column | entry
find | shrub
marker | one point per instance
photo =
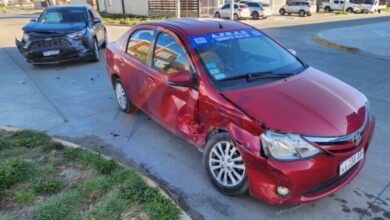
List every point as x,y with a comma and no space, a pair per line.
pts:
47,186
14,171
104,166
26,197
30,139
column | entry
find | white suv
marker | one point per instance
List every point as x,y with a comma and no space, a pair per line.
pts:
241,11
258,9
299,7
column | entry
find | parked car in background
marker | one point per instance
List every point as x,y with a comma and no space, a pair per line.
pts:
258,9
63,33
241,11
302,8
373,6
340,5
260,115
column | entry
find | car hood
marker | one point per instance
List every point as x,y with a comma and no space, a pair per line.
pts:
53,28
310,103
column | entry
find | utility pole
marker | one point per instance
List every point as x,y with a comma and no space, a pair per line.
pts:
232,10
178,8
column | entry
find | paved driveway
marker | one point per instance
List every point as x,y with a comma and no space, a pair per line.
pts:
76,101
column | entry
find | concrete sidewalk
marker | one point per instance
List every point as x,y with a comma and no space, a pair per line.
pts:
369,40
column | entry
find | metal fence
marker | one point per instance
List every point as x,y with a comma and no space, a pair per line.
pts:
188,8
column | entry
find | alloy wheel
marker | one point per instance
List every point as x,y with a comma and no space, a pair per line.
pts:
121,96
226,164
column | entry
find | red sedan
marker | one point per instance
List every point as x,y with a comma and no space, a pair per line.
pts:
265,121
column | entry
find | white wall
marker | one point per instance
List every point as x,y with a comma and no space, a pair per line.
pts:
136,7
78,2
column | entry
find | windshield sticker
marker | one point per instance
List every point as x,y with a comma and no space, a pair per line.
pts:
212,38
214,71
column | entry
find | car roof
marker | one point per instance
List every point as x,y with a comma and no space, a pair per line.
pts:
196,26
69,6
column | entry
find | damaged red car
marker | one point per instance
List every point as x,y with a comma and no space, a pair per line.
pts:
265,121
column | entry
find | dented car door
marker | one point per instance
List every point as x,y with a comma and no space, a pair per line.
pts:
173,105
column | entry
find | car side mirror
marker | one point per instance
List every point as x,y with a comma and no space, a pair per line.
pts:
181,78
33,20
293,52
97,21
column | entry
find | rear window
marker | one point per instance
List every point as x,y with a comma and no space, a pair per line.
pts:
139,44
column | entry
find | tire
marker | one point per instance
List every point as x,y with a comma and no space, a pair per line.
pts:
225,168
255,15
95,51
217,15
302,13
349,10
121,97
288,14
282,11
235,17
327,9
104,44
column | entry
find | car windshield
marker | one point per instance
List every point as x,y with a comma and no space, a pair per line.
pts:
237,54
63,15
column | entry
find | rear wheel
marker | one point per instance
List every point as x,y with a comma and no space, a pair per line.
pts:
327,9
282,11
217,15
255,15
302,13
95,51
123,100
224,165
235,17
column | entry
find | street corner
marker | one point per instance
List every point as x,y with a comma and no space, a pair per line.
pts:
366,40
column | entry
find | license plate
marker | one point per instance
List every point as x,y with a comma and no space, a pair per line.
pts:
51,53
350,162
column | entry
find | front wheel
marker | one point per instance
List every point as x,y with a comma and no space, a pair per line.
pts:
302,13
235,17
282,11
224,165
217,15
104,44
255,15
350,10
95,51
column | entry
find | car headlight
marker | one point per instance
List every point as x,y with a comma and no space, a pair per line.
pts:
287,147
77,33
25,37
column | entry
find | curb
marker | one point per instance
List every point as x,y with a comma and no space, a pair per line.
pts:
349,49
148,181
327,43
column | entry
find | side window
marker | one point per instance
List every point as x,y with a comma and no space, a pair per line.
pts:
139,44
235,6
226,6
168,55
336,2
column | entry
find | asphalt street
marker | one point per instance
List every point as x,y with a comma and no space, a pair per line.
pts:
76,101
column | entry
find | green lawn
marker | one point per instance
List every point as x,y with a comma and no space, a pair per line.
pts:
126,19
40,179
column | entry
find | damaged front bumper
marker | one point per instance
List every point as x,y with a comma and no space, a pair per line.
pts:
54,50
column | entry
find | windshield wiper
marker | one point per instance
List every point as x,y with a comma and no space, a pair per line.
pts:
259,75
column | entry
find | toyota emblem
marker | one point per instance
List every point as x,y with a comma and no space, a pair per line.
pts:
356,139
